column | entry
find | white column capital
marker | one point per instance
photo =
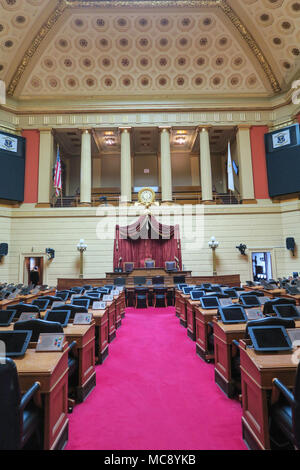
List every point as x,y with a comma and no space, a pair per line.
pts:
165,128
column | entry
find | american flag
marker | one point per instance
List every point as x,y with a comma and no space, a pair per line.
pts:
57,174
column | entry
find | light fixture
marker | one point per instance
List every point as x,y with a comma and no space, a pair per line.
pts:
109,141
81,247
180,140
213,244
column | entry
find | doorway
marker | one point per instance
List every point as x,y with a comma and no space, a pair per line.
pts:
33,264
261,265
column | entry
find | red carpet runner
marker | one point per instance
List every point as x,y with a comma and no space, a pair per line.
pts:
154,393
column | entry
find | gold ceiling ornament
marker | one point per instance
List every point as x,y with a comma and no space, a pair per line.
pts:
62,5
44,30
247,36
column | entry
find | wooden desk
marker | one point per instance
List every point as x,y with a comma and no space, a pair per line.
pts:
224,334
180,304
257,373
191,317
84,335
203,317
4,304
120,308
51,370
101,334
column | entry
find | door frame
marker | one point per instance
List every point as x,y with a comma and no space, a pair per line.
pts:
31,254
273,260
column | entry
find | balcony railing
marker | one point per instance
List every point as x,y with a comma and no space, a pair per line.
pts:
182,195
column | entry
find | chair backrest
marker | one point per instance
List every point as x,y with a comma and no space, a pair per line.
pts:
128,266
119,281
170,265
269,321
160,291
141,291
38,326
73,308
268,306
51,298
158,280
149,263
63,295
10,396
41,303
24,308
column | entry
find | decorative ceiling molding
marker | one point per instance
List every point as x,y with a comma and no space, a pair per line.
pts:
62,5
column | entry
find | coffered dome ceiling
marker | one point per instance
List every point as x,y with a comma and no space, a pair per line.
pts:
140,47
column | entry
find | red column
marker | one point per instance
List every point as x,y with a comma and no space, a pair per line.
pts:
259,165
31,165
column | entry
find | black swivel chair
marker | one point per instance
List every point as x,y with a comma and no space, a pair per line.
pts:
20,308
160,296
141,297
284,415
20,419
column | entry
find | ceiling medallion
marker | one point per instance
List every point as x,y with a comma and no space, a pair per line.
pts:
62,5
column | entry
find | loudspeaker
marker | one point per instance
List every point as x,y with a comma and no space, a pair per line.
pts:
3,249
290,244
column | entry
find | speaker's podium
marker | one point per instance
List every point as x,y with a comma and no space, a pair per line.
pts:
148,273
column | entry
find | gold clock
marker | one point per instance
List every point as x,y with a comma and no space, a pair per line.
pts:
146,196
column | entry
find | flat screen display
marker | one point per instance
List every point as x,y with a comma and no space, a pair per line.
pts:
270,338
209,302
16,342
6,317
233,314
250,300
59,316
286,311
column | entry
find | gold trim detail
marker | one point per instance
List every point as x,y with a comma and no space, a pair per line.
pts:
62,5
44,30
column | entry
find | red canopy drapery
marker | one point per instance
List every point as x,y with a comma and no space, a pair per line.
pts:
147,238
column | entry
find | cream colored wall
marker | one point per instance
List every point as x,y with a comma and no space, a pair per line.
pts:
261,226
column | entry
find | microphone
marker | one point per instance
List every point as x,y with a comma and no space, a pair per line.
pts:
120,259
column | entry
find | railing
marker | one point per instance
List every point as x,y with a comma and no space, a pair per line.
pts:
179,197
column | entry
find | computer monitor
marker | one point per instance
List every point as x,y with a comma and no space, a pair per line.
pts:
233,314
270,338
197,294
6,317
188,290
209,302
181,286
250,301
139,280
82,302
286,311
59,316
16,342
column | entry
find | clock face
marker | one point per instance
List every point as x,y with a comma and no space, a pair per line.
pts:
146,196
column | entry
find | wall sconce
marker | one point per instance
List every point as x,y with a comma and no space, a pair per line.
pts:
242,249
213,244
81,247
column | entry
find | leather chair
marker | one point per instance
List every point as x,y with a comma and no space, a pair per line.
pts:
20,418
284,415
268,306
21,307
63,294
158,280
149,263
51,298
170,266
160,297
130,297
41,303
128,266
141,297
73,308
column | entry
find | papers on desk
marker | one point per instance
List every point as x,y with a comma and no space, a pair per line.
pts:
263,300
99,305
114,292
225,302
108,298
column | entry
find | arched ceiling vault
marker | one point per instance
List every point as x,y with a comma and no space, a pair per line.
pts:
148,47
